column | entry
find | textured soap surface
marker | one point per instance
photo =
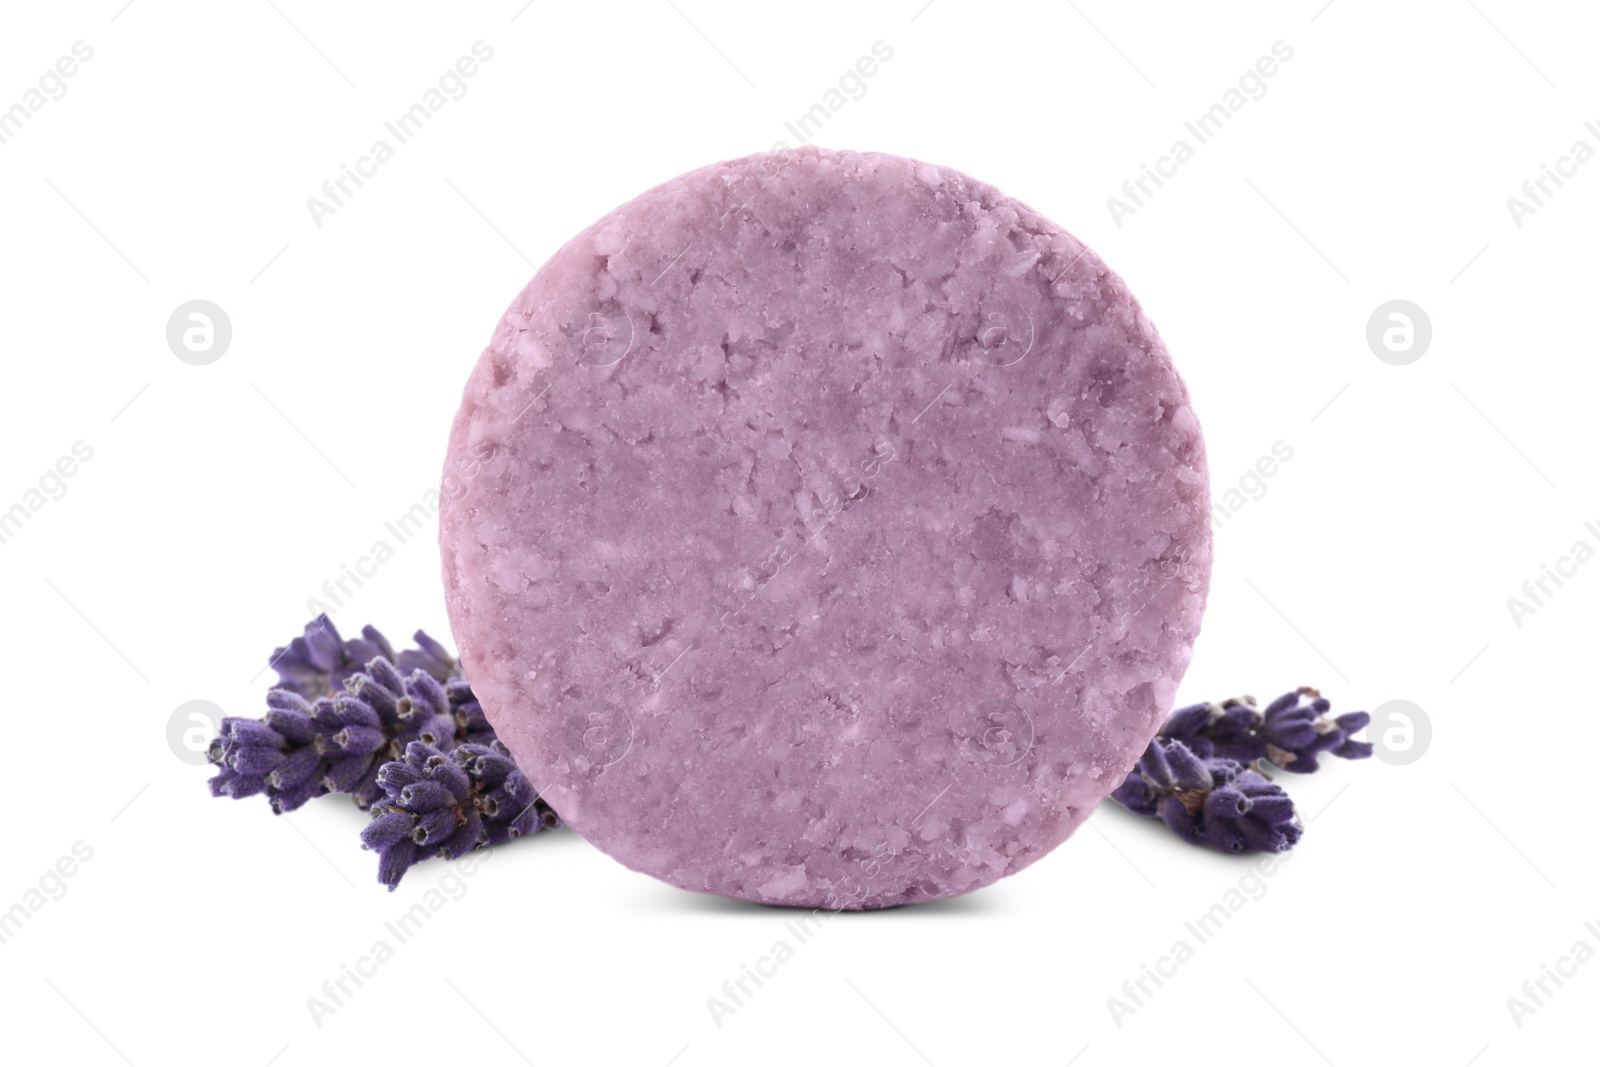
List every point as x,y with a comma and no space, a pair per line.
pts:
825,529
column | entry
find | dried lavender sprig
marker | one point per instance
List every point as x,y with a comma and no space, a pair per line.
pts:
331,726
430,656
338,743
413,707
1216,803
472,725
1289,733
444,804
275,755
317,663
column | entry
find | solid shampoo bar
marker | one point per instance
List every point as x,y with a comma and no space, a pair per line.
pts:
826,529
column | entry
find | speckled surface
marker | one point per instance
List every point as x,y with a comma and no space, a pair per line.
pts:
825,529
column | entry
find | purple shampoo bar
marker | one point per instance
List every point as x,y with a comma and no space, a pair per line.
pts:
826,529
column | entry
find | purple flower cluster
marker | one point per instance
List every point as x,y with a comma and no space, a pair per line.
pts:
356,717
319,661
1213,802
444,804
1202,775
1289,733
335,742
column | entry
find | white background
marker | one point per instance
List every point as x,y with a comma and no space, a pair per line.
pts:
219,498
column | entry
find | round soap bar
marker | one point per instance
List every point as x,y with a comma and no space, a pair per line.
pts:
826,529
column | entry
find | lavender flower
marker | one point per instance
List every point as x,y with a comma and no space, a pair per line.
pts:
444,804
343,710
1289,733
338,743
1215,802
319,661
430,656
403,734
472,725
276,754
